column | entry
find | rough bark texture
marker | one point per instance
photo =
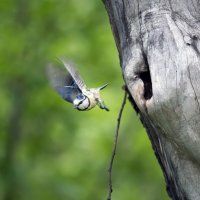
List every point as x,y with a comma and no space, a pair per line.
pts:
159,49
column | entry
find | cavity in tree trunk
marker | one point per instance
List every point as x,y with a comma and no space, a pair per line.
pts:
159,50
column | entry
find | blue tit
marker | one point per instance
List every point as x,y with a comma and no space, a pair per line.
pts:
71,87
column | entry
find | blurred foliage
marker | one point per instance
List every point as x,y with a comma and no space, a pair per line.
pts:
48,150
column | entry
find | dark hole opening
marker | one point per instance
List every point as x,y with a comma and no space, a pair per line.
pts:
146,78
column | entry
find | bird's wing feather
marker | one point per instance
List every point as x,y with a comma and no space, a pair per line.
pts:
74,73
62,83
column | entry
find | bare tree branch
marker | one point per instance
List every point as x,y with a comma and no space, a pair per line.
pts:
115,146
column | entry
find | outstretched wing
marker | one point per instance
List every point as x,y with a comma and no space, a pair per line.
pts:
63,83
74,73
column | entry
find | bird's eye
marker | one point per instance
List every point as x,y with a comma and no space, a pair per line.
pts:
80,97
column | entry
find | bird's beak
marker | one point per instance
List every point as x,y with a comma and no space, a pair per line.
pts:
102,87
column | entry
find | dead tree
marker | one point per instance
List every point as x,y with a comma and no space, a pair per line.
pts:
159,49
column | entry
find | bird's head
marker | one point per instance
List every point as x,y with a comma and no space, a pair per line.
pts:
81,102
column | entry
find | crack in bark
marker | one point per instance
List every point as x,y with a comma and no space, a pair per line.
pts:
144,76
196,97
193,44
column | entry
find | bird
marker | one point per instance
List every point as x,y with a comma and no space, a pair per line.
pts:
71,87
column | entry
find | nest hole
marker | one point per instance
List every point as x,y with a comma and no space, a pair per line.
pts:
146,78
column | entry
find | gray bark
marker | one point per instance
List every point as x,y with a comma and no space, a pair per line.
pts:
159,48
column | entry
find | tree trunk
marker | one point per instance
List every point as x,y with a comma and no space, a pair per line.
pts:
159,50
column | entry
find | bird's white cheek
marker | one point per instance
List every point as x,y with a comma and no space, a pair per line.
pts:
84,105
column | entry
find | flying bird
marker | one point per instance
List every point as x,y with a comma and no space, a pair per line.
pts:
71,87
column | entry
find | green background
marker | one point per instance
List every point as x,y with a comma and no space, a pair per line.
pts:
48,150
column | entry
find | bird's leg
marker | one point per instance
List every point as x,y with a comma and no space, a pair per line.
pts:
102,105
